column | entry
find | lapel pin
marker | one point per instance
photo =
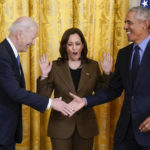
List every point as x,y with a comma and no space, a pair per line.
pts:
87,74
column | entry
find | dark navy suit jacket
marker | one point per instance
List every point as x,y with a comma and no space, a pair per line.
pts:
12,96
136,100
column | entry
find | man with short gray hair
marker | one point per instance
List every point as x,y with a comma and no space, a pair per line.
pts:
132,74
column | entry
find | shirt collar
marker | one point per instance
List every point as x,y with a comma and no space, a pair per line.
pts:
143,44
13,47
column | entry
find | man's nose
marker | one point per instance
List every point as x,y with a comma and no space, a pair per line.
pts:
125,26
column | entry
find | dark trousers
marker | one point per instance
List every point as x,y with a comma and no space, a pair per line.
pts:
7,147
76,142
129,142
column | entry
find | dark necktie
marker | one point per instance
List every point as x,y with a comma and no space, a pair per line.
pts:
135,64
18,60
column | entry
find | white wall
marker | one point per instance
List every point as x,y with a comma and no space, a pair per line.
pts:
134,3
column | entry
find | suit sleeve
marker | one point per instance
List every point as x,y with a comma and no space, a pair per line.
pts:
11,89
45,87
112,91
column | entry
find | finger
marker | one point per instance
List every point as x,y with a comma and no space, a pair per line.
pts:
46,58
144,123
108,56
68,109
42,59
73,95
104,56
51,63
39,62
60,98
143,127
100,62
64,113
68,112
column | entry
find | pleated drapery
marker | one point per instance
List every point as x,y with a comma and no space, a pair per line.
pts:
102,23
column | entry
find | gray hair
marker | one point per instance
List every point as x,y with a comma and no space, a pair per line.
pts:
23,23
142,13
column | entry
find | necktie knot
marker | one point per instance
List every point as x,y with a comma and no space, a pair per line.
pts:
137,48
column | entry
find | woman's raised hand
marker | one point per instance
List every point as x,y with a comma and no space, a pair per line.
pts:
45,65
107,63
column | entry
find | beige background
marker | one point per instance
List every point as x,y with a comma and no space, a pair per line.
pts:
134,3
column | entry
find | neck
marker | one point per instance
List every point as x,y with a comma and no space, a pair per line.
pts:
141,39
13,41
74,64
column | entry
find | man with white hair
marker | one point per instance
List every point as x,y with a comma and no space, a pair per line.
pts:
12,84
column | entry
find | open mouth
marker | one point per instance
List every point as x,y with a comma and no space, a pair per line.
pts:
75,53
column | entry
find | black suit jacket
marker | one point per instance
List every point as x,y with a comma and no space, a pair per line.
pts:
12,96
136,101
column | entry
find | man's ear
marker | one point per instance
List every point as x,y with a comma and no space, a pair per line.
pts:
146,24
19,34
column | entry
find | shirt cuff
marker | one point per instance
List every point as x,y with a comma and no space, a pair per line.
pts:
49,103
85,99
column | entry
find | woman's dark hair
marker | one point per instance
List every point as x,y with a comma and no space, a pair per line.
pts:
63,44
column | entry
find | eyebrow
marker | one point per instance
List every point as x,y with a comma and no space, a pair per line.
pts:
127,21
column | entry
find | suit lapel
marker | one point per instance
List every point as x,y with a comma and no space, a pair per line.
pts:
144,64
15,63
129,65
85,75
65,75
11,53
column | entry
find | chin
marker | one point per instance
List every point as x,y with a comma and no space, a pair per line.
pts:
24,50
130,39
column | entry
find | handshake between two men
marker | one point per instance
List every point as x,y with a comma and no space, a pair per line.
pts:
68,109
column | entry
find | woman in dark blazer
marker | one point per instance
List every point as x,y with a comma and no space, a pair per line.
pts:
72,72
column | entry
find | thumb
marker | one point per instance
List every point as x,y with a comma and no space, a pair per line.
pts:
73,95
50,63
60,98
100,61
39,61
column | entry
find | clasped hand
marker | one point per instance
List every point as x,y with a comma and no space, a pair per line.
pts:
68,109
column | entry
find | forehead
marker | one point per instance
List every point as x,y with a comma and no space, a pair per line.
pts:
74,36
131,16
32,31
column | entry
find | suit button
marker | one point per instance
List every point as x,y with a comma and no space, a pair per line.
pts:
132,97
